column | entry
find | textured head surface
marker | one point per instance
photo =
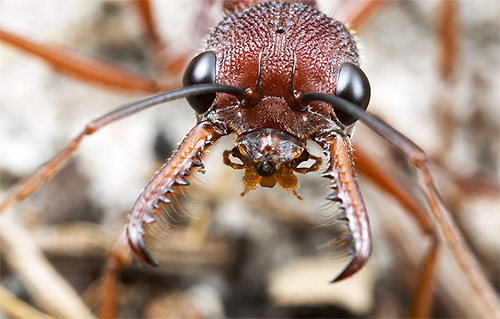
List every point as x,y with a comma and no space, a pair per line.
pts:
283,48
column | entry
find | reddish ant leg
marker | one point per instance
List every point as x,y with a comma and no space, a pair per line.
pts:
170,61
119,257
194,144
44,173
83,67
355,13
423,295
417,157
94,70
145,12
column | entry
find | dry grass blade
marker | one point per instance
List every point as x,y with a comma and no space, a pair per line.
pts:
16,308
49,290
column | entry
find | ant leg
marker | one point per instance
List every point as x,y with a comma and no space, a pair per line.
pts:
422,300
356,13
448,32
145,12
94,70
44,173
447,226
119,257
448,60
87,68
453,238
171,61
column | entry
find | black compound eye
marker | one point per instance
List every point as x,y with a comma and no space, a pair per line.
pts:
353,86
201,70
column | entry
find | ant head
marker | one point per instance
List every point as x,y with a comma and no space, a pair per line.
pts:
289,49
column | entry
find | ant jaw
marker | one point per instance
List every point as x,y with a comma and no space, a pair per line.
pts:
136,241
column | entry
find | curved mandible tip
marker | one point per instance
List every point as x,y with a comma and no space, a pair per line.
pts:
158,194
138,246
346,192
356,263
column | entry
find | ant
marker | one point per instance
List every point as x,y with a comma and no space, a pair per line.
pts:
248,95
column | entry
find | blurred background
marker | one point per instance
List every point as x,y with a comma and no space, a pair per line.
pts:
257,255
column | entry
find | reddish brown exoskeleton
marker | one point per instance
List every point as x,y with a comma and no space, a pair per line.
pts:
274,63
255,79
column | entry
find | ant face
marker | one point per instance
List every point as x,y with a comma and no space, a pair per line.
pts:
275,62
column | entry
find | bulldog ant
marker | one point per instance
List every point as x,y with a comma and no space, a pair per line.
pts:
274,97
